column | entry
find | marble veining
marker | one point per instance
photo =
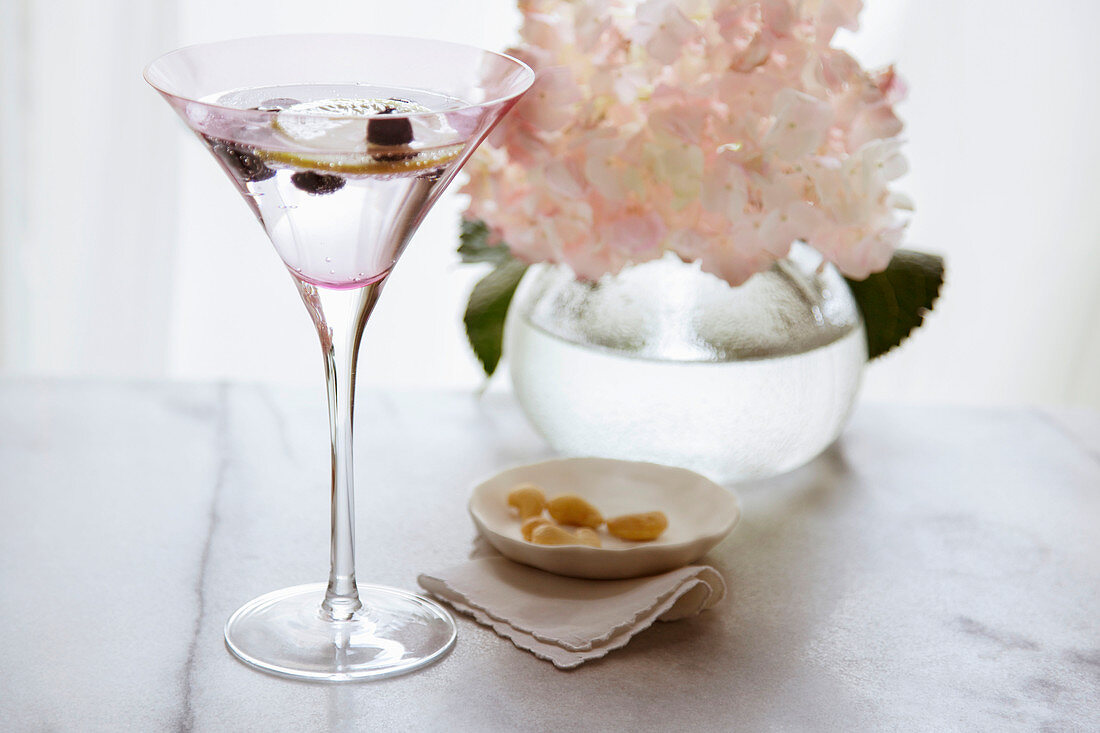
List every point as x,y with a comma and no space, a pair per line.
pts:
1087,657
1064,429
269,401
223,449
935,569
1004,639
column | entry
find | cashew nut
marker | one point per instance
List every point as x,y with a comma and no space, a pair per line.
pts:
531,524
573,510
552,534
587,536
528,500
638,527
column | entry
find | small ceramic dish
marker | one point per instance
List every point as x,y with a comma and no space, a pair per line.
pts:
700,513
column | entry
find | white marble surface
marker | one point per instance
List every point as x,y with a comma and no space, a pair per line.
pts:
937,569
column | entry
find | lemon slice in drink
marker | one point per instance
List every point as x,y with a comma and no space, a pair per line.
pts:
356,136
338,125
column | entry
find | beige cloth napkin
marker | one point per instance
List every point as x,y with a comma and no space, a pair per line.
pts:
568,621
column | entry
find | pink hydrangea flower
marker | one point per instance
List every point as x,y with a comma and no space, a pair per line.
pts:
718,130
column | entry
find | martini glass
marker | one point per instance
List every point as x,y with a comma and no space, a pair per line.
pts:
339,144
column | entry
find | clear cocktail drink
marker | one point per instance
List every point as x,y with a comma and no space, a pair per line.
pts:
344,201
339,174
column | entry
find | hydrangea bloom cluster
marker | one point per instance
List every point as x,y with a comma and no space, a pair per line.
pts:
720,130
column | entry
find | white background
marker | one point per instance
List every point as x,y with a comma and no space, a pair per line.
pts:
124,252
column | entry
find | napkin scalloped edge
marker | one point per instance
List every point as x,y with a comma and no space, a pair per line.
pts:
566,658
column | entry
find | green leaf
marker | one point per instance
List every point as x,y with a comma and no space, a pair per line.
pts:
474,244
487,309
894,302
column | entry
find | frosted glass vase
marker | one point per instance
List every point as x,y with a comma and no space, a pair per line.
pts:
668,364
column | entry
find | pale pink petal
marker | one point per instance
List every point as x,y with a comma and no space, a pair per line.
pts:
663,29
873,123
725,190
562,180
679,168
801,123
635,232
602,168
744,30
890,85
834,14
682,122
550,104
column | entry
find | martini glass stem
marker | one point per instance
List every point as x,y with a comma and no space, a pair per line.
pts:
340,317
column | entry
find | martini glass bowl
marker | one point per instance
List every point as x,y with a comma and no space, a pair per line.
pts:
339,144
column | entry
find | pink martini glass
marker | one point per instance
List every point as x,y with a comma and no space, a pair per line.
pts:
339,144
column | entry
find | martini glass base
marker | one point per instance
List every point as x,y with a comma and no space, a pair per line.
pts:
284,633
